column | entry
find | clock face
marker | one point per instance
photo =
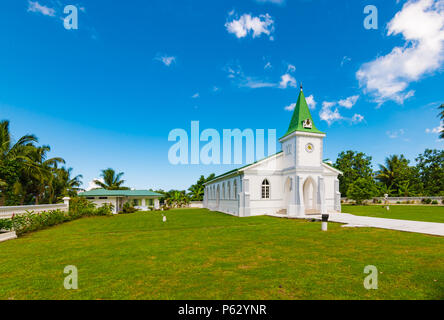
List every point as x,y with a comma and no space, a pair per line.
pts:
309,147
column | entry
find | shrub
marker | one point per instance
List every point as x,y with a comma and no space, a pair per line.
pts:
80,207
5,224
398,202
426,201
128,208
435,202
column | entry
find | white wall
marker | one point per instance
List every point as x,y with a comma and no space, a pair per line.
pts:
8,211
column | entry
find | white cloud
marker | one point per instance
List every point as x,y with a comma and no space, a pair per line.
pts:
236,73
357,118
215,89
287,80
268,66
34,6
311,102
196,95
166,60
348,102
92,185
291,68
329,115
395,134
248,24
437,129
290,107
421,23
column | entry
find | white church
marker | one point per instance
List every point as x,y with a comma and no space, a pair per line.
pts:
293,182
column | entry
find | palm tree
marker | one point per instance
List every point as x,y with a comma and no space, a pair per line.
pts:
12,152
441,116
388,172
41,170
63,184
111,180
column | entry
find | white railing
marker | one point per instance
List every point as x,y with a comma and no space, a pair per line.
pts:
8,211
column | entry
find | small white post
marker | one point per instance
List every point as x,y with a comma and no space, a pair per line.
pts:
324,222
66,202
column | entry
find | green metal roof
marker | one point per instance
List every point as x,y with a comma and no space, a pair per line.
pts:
300,114
118,193
236,170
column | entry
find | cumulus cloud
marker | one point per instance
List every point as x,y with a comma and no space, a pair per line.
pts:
421,23
248,24
328,114
311,102
92,185
287,80
34,6
348,102
166,60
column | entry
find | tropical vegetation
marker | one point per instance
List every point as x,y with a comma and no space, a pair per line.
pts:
28,175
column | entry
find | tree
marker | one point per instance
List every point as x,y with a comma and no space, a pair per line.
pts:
13,156
197,190
111,180
354,165
396,173
361,189
430,165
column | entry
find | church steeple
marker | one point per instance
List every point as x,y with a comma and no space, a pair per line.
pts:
301,119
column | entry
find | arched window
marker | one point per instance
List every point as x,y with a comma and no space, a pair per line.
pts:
223,190
235,189
265,189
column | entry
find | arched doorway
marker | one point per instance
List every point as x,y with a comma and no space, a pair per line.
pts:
310,195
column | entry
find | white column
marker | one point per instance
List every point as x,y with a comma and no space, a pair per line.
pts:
66,202
156,203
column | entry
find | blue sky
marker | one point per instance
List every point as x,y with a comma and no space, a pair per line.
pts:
109,93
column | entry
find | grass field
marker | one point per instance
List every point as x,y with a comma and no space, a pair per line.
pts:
199,254
408,212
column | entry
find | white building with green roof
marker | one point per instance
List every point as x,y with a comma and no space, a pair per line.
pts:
143,200
293,182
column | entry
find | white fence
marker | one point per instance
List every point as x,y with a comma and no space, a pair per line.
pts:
196,204
8,211
395,200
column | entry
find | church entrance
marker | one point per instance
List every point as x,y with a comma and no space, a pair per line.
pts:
310,196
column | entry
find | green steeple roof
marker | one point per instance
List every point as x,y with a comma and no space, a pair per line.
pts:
301,113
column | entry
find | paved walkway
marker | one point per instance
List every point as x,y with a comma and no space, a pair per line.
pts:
350,220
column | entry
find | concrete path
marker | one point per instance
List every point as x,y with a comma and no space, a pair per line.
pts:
350,220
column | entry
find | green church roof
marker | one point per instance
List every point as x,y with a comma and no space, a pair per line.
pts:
300,114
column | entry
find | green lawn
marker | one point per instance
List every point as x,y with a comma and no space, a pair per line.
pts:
198,254
408,212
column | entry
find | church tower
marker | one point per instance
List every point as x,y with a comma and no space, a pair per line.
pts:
302,144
